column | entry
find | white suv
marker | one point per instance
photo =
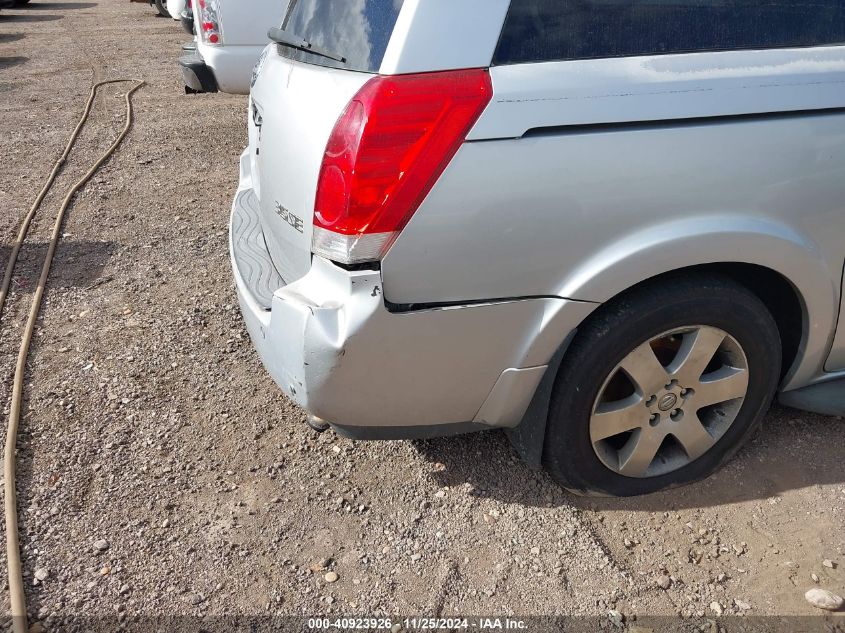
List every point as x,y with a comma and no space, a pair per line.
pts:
230,36
614,228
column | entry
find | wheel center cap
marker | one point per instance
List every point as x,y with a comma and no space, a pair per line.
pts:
667,402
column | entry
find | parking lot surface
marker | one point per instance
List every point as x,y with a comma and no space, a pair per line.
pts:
162,472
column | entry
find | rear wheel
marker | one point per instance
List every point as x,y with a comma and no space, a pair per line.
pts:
161,6
662,387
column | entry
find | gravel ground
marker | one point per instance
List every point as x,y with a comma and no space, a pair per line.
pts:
162,472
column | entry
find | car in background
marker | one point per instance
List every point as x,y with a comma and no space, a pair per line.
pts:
614,229
229,40
176,7
187,20
160,5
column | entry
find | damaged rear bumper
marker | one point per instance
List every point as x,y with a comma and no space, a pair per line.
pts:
331,343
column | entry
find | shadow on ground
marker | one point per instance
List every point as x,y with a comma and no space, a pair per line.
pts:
76,264
6,17
58,6
8,62
10,37
794,450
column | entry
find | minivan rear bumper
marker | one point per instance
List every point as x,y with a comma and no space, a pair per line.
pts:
333,346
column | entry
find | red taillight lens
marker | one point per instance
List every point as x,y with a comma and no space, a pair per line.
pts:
386,151
207,11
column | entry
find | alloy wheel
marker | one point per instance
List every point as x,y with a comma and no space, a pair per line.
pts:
669,401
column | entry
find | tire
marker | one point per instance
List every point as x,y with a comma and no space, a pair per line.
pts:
161,6
603,383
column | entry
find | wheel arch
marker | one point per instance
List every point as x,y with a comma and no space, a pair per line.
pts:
781,297
805,310
755,252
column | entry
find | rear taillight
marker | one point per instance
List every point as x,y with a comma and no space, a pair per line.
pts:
386,151
209,21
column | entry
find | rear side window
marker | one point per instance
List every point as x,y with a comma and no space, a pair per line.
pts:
546,30
357,30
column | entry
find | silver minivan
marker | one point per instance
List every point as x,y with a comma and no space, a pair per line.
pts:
613,228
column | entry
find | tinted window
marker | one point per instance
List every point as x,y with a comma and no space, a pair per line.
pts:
358,30
540,30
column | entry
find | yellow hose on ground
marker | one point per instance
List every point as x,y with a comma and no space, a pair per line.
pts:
16,589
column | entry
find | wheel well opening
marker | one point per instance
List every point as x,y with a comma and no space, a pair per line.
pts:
776,292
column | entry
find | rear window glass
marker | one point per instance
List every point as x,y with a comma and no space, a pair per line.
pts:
357,30
545,30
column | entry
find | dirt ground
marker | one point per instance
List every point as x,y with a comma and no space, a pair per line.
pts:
163,473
